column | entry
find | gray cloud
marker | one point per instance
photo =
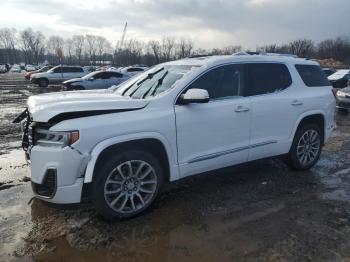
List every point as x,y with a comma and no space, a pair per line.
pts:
208,23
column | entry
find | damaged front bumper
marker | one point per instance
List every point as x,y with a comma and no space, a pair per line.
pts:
57,174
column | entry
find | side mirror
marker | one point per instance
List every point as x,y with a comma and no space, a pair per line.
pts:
91,79
194,95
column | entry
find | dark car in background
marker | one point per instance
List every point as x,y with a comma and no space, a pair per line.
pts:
329,71
343,99
340,78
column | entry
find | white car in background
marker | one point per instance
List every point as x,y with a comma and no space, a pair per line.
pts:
96,80
57,75
16,68
30,68
133,70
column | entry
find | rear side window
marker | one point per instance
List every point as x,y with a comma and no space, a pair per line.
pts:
312,75
265,78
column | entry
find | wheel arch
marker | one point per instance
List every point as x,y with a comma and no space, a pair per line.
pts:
152,142
317,117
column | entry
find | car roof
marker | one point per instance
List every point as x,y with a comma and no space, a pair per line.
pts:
236,58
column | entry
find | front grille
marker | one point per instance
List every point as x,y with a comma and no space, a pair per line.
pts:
48,187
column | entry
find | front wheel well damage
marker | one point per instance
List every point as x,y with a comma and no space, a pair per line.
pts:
151,145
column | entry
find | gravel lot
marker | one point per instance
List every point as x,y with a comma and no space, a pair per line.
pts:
260,211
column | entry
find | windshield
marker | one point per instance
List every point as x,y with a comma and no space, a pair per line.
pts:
90,75
154,81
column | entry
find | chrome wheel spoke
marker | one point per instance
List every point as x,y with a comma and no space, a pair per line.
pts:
308,147
130,186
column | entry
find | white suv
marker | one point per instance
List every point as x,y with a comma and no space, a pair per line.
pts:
117,147
57,75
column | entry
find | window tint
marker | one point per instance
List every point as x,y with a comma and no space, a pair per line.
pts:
57,70
312,75
114,74
221,82
98,75
265,78
135,69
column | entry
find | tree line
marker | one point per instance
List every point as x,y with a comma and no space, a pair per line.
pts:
33,47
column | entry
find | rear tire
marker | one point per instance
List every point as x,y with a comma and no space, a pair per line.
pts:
127,184
306,147
42,82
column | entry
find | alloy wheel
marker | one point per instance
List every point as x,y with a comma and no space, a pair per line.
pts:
130,186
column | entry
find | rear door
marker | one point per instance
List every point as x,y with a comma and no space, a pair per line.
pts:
214,134
275,106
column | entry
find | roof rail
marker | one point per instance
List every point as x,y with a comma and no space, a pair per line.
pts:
264,53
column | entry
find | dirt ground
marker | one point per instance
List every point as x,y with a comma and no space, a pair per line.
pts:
260,211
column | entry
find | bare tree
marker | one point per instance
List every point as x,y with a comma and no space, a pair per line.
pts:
302,47
78,45
184,48
102,46
32,45
156,49
168,45
8,41
53,44
91,43
68,50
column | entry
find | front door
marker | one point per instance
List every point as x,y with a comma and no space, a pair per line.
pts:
214,134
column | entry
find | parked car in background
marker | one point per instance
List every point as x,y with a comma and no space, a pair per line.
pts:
329,71
16,68
30,68
3,69
133,70
120,146
57,75
41,70
343,99
340,78
96,80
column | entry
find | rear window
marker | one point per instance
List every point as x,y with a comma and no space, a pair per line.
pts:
312,75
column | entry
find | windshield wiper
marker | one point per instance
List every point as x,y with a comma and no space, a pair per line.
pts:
159,83
150,75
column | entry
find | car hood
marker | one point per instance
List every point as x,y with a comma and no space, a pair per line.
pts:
67,105
37,75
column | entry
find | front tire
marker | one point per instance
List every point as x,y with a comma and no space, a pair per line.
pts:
306,147
127,184
42,82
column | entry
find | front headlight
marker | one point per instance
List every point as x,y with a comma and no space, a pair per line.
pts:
340,94
45,137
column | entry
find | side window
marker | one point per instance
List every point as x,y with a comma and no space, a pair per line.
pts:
135,69
98,76
221,82
265,78
312,75
57,70
115,75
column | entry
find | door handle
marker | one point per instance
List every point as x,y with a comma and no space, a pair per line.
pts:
296,103
240,109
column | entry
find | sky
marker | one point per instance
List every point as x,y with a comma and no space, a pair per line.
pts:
207,23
